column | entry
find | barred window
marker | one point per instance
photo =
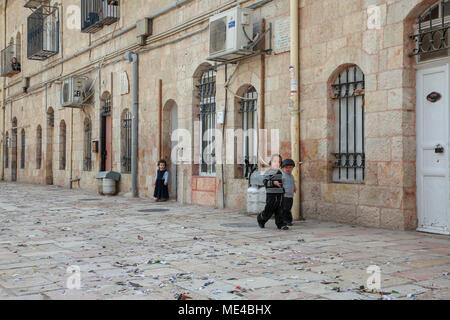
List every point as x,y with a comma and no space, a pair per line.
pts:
248,113
207,94
126,141
22,150
348,95
39,148
87,145
62,145
6,145
432,35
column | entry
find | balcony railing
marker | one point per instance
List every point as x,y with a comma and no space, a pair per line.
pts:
97,13
10,60
43,33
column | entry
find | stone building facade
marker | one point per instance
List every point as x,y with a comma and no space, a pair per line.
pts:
357,97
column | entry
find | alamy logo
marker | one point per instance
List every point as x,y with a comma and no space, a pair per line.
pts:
373,17
74,280
73,17
374,280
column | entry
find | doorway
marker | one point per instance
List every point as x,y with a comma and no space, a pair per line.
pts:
14,151
49,147
433,172
106,134
170,151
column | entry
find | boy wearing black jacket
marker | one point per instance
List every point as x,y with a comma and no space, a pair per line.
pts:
273,181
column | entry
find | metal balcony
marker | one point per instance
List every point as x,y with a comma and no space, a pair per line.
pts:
10,61
97,13
43,33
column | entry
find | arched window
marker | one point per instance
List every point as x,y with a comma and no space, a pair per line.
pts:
348,99
22,149
39,147
87,145
206,90
6,145
126,135
62,145
248,102
432,34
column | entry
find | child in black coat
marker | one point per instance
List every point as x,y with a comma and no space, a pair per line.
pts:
161,182
273,181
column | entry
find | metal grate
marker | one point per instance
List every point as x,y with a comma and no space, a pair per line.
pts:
43,33
97,13
249,126
6,145
22,150
207,95
10,60
87,145
432,35
348,93
127,122
62,146
39,148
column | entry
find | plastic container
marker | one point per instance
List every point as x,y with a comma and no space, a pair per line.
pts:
109,187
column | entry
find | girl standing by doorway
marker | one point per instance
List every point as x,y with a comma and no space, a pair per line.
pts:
161,182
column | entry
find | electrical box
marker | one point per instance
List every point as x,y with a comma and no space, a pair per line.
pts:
230,33
143,30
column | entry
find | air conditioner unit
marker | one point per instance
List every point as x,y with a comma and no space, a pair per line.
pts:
74,92
230,33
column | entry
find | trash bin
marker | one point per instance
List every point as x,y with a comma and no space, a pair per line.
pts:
109,187
107,182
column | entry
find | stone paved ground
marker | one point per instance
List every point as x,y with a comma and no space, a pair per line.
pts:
201,252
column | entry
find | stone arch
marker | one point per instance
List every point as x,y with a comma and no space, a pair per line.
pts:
168,152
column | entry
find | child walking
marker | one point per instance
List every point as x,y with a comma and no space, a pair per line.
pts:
161,182
273,181
289,190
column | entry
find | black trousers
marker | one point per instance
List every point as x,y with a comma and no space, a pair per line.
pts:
287,207
273,206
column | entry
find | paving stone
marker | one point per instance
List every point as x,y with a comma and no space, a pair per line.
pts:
189,246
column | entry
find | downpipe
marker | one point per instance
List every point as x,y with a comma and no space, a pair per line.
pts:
133,58
2,105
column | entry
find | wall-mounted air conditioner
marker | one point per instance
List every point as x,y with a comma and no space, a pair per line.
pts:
74,92
230,33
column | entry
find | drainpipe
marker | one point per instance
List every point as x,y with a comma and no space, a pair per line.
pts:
132,57
2,155
294,106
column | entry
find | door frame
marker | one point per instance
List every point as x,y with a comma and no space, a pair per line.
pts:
420,68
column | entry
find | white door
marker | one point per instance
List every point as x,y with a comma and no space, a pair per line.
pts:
433,149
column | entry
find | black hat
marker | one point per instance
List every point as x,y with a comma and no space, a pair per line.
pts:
288,163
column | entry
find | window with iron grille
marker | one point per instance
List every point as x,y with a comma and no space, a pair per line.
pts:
127,122
348,96
248,113
62,146
207,95
10,60
97,13
39,148
22,150
87,145
6,145
432,32
43,33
